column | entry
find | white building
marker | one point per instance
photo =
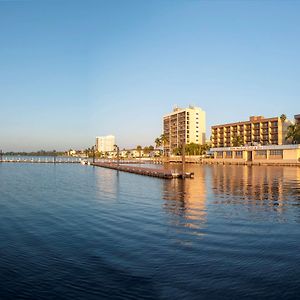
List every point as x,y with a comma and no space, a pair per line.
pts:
184,125
105,143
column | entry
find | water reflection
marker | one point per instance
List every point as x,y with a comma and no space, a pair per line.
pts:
107,183
187,198
256,186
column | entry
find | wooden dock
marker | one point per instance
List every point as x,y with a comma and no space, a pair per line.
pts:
160,173
31,161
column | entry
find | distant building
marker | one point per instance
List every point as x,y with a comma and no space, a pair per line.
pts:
71,152
297,119
257,131
105,143
184,125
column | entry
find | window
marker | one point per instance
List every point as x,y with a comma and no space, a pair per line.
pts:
261,154
276,153
239,154
219,154
228,154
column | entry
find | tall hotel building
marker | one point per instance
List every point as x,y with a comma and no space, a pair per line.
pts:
258,130
184,126
105,143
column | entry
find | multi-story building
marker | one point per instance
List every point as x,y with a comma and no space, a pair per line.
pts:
257,131
184,125
105,143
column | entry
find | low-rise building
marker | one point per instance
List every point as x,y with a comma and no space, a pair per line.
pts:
271,154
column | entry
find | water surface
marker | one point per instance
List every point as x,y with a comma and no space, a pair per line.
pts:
82,232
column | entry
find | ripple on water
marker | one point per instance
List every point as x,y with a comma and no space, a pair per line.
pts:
77,232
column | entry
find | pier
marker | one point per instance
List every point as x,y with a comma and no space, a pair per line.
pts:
160,173
40,161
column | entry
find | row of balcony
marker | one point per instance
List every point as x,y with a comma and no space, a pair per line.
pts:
246,127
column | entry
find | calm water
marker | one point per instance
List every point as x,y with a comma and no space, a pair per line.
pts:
78,232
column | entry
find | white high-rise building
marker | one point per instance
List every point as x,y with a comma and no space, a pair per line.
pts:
184,125
105,143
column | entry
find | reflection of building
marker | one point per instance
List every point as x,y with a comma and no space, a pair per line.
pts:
105,143
107,184
184,126
256,186
258,130
273,154
187,198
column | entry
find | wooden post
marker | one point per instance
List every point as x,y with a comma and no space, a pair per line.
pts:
183,159
118,156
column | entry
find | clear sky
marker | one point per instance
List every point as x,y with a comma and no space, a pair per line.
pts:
72,70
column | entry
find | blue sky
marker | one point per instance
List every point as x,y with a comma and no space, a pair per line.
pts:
72,70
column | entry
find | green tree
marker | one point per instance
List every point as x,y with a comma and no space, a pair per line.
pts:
293,134
237,141
176,151
139,149
192,149
146,150
283,118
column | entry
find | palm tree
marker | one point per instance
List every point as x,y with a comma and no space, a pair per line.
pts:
139,149
164,140
293,133
283,118
157,142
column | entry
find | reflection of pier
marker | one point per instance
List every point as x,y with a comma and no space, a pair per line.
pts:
160,173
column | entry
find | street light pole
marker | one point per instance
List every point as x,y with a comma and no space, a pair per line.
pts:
93,154
118,155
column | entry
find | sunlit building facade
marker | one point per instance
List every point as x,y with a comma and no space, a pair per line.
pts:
105,143
257,131
184,125
271,154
